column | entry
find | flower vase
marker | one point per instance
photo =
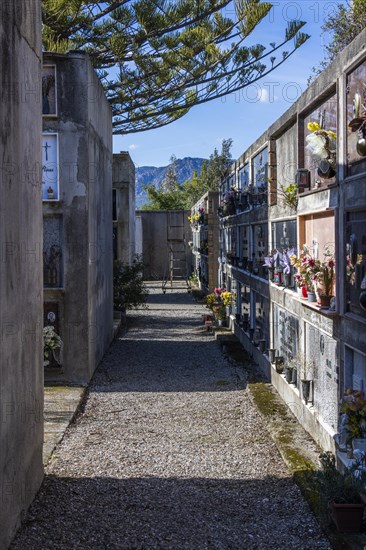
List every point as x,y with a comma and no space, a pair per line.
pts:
324,300
311,296
304,292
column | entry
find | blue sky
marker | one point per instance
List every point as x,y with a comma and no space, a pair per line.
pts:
245,115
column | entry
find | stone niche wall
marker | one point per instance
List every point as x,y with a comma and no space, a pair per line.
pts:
78,217
21,349
321,355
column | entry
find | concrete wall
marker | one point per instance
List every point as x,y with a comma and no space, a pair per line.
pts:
159,227
333,212
124,188
21,349
84,295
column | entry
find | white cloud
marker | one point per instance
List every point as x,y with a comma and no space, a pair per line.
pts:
264,96
133,146
267,95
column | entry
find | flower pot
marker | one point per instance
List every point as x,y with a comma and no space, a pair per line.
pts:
324,300
347,517
325,169
279,364
288,374
277,277
311,296
294,377
304,292
305,387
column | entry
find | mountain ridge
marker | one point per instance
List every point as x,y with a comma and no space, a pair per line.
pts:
155,175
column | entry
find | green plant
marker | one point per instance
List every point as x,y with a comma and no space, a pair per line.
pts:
129,289
193,280
325,274
52,345
336,487
157,60
289,195
353,410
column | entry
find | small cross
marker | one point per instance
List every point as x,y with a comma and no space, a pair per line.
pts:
46,147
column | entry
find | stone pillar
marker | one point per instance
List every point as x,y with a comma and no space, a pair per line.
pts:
124,187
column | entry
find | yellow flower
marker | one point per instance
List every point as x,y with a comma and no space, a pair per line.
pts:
332,134
313,126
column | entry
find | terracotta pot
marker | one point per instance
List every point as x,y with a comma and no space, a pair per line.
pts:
347,517
324,300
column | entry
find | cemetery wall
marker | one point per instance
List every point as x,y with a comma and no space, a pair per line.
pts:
77,210
272,315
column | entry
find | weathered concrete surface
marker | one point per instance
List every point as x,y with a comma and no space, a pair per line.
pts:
21,353
160,228
60,406
84,126
124,187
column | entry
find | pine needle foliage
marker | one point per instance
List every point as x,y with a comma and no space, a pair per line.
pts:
158,58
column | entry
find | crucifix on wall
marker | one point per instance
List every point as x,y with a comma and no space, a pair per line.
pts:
50,174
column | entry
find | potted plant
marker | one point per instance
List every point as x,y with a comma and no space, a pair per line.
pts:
293,366
220,314
52,345
269,263
340,493
217,302
289,195
307,269
288,371
306,370
285,261
322,145
353,415
279,364
325,278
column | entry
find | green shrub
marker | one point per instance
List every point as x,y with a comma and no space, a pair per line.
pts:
129,289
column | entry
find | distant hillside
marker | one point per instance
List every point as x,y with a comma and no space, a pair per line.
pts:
155,175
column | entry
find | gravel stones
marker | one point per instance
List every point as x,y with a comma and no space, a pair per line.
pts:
168,453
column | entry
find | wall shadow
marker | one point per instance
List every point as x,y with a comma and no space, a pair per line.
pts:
165,366
171,297
168,513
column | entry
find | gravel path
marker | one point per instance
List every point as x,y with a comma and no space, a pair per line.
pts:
169,452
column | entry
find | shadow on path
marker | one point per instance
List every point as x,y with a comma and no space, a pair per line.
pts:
158,513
